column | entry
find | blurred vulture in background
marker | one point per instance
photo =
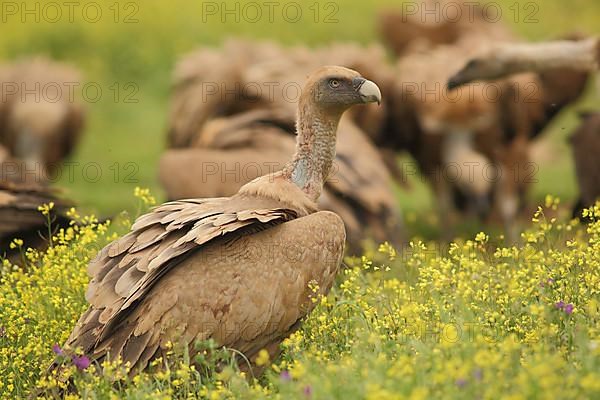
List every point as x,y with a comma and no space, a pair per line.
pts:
473,143
585,142
39,126
559,65
233,119
39,122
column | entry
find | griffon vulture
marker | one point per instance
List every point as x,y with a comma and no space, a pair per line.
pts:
498,120
40,119
234,269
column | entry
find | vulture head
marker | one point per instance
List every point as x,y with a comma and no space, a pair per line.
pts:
328,92
335,89
488,67
571,52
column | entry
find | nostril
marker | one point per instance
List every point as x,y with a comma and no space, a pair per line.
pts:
358,82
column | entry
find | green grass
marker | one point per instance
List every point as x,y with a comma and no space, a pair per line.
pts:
145,52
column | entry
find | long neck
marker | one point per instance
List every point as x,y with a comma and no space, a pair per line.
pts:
582,55
315,150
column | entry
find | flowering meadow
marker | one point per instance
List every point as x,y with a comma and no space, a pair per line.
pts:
471,321
136,44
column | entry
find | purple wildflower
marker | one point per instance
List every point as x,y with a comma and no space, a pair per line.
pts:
569,308
478,374
307,391
57,350
285,376
81,362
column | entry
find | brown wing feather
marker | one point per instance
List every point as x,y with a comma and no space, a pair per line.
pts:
125,271
216,297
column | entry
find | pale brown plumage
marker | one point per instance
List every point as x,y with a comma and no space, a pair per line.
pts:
226,154
39,121
234,269
537,84
585,143
248,75
561,70
498,122
233,138
444,131
125,313
209,83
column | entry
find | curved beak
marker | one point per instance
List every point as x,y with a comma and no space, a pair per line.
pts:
368,91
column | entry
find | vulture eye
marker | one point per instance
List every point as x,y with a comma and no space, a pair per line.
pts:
334,83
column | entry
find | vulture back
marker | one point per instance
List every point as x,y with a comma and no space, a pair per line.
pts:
585,143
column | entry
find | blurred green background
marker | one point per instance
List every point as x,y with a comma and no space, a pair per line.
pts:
138,42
